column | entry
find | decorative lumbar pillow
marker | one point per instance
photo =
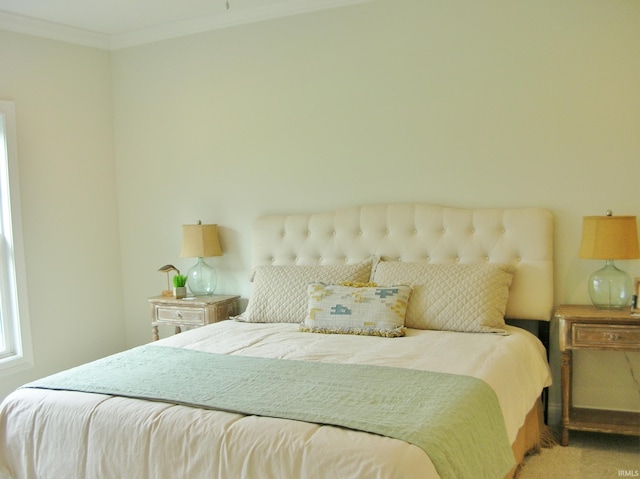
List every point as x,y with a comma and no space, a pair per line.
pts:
279,293
367,310
452,297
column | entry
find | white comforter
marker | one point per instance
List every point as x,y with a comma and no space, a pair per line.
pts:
60,434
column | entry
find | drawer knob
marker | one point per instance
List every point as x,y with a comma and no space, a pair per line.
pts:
180,315
614,336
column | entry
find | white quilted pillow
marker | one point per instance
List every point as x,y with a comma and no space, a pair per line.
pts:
452,297
279,293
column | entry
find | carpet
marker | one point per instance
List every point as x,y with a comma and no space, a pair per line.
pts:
588,456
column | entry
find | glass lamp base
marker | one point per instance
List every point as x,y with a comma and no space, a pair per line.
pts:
201,279
610,287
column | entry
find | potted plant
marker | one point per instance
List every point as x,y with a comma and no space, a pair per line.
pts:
179,286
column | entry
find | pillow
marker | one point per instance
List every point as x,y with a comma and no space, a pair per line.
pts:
452,297
368,310
279,293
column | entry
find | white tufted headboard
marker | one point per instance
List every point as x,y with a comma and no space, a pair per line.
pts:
421,232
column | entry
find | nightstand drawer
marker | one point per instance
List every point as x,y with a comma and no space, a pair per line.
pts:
609,336
183,315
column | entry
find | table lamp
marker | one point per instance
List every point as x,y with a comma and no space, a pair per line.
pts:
200,241
609,238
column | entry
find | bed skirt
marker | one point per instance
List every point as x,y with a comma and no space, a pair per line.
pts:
532,436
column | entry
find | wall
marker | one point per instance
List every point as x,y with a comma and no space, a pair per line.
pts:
63,101
461,103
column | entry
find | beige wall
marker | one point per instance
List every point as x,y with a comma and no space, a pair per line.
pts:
468,104
63,102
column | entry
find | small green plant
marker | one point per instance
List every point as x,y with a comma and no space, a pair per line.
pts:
179,280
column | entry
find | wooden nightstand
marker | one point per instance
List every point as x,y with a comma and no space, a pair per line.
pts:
190,312
587,327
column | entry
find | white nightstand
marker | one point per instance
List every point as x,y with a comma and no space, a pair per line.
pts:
191,312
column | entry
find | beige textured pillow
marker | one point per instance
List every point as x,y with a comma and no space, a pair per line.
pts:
452,297
279,293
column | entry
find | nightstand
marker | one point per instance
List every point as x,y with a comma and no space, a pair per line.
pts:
190,312
587,327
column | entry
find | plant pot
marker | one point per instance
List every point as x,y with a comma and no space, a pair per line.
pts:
180,292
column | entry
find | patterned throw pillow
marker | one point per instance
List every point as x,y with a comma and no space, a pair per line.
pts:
452,297
279,293
371,310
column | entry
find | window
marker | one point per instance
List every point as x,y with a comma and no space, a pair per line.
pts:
15,343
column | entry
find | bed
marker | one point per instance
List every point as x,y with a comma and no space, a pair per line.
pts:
318,378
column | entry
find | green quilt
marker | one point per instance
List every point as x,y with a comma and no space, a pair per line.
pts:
455,419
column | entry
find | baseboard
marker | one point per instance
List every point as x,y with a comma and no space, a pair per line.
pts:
554,414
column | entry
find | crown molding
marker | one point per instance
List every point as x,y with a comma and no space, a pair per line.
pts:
53,31
229,18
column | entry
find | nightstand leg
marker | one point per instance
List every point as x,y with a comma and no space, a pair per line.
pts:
154,333
565,378
178,330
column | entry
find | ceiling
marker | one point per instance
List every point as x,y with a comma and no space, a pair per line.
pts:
114,24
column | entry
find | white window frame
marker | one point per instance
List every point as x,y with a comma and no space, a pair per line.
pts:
15,343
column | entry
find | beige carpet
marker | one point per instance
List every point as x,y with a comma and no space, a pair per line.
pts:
588,456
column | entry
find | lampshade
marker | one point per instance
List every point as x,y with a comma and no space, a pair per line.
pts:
200,241
609,237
